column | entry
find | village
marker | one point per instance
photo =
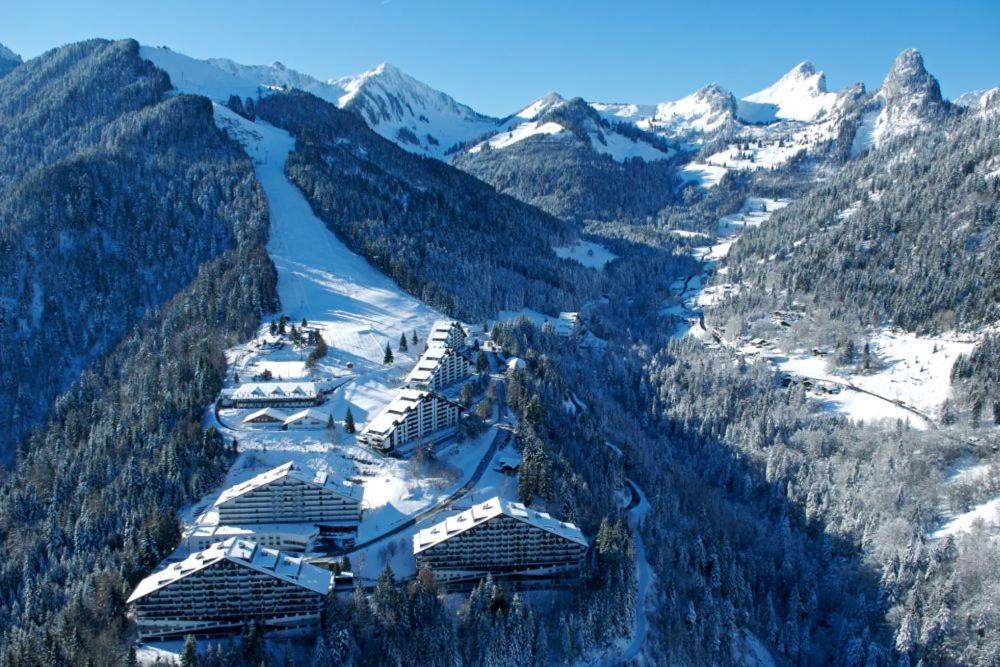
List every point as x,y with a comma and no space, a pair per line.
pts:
344,467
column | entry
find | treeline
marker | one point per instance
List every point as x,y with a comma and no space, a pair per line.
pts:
571,178
907,235
163,202
445,237
109,203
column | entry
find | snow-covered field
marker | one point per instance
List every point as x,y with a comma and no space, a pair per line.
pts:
914,372
986,514
588,253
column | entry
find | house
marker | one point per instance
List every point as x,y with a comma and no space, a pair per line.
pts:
287,494
439,367
265,417
219,590
568,324
275,394
413,414
308,418
504,539
446,333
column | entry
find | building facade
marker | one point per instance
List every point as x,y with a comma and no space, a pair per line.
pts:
414,414
282,536
219,590
446,333
275,395
287,494
505,539
439,367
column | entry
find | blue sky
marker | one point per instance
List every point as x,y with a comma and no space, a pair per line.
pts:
499,56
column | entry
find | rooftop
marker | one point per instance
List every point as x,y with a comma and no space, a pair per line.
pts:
287,567
288,469
483,512
311,413
276,415
264,390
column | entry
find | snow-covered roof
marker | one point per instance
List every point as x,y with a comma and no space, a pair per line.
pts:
277,390
287,567
288,469
428,363
308,413
271,413
566,323
440,332
225,531
396,410
483,512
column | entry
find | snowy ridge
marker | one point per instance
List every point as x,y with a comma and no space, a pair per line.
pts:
409,112
798,95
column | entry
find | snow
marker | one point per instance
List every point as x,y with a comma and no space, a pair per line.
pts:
705,175
519,133
541,106
219,78
798,95
391,101
986,514
621,148
589,254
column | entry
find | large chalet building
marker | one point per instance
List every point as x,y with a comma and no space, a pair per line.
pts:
446,333
275,395
287,494
439,367
414,414
502,538
230,584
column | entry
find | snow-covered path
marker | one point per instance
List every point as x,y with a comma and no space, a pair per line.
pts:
635,517
358,308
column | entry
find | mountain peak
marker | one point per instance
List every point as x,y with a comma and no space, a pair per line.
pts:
541,106
800,94
909,80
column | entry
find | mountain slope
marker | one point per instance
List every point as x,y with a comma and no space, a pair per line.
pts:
8,60
111,197
798,95
410,113
442,235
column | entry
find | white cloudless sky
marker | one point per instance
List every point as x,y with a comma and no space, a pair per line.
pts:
499,56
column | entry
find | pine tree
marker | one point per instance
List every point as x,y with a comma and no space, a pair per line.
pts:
349,422
402,342
413,339
189,656
388,358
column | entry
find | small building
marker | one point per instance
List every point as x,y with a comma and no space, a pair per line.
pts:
282,536
219,590
568,324
287,494
439,367
413,414
446,333
308,418
505,539
515,364
266,417
275,394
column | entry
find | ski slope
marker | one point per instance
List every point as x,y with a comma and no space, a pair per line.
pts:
358,309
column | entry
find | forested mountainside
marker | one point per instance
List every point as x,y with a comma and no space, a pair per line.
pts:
907,235
149,204
576,165
112,198
8,60
441,234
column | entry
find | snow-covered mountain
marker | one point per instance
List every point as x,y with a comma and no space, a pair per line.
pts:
908,100
8,60
409,112
561,119
705,111
800,94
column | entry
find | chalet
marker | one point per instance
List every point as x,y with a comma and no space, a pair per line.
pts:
227,586
504,539
308,418
414,414
439,367
568,324
275,394
265,417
